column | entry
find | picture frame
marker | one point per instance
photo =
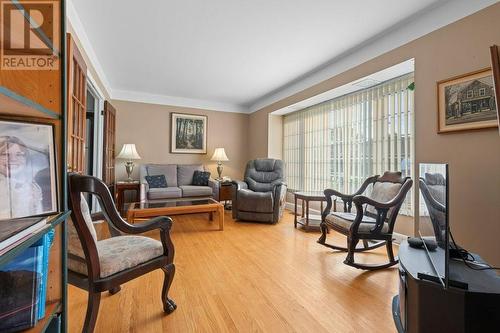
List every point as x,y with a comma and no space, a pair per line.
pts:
28,169
495,66
467,102
188,133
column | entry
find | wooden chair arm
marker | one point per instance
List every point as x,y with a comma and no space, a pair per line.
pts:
163,223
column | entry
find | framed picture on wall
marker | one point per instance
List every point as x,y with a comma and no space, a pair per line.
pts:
467,102
27,170
188,133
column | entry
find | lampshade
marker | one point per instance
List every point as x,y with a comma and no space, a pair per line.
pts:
129,152
219,155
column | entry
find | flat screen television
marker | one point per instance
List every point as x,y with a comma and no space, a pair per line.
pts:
434,217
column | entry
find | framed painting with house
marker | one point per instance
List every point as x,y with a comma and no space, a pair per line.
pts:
188,133
467,102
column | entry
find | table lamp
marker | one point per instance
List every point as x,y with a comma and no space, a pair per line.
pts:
219,156
129,153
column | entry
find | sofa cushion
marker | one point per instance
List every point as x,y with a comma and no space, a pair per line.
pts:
158,181
200,178
185,173
250,201
196,191
344,220
120,253
169,170
164,193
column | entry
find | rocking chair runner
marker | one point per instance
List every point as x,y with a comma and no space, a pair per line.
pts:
104,265
375,223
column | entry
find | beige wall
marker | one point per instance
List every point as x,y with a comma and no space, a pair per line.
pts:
148,126
474,157
275,141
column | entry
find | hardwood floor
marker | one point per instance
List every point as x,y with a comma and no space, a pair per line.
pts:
250,278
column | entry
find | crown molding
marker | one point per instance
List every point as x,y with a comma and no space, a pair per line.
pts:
76,24
143,97
416,26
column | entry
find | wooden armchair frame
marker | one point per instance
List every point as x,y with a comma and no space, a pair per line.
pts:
375,237
92,282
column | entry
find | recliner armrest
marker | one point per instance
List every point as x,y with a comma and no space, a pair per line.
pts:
240,185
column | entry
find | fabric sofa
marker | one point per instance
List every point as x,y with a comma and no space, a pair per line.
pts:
261,196
179,182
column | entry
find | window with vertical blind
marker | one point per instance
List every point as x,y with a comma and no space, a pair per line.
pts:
339,143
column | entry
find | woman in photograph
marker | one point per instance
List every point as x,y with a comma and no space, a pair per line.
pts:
20,195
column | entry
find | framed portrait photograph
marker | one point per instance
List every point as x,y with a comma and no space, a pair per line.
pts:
188,133
467,102
28,184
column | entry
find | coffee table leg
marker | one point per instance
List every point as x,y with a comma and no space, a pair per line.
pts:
130,217
221,218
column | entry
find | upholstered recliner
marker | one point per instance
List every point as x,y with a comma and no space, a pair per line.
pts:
261,196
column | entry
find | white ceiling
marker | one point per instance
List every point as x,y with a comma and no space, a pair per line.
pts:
235,55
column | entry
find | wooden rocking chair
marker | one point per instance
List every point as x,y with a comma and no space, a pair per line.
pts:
372,225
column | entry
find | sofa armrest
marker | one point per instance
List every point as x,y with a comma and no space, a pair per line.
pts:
144,189
215,185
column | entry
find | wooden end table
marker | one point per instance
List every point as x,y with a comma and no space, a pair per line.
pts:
226,193
121,187
309,221
176,207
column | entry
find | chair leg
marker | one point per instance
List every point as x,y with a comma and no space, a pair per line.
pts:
365,243
324,231
390,254
351,248
169,305
92,311
115,290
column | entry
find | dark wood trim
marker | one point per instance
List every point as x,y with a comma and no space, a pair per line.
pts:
109,145
495,66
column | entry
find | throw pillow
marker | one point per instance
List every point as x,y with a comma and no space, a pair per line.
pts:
200,178
156,181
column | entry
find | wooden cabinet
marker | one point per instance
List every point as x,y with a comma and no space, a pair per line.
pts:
77,107
37,95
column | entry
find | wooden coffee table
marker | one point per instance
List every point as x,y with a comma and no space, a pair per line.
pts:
147,209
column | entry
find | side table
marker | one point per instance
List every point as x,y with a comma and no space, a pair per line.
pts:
309,221
225,193
120,188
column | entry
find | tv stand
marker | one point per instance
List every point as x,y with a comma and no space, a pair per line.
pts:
425,306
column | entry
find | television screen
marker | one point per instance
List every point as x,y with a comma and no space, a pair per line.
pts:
433,215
